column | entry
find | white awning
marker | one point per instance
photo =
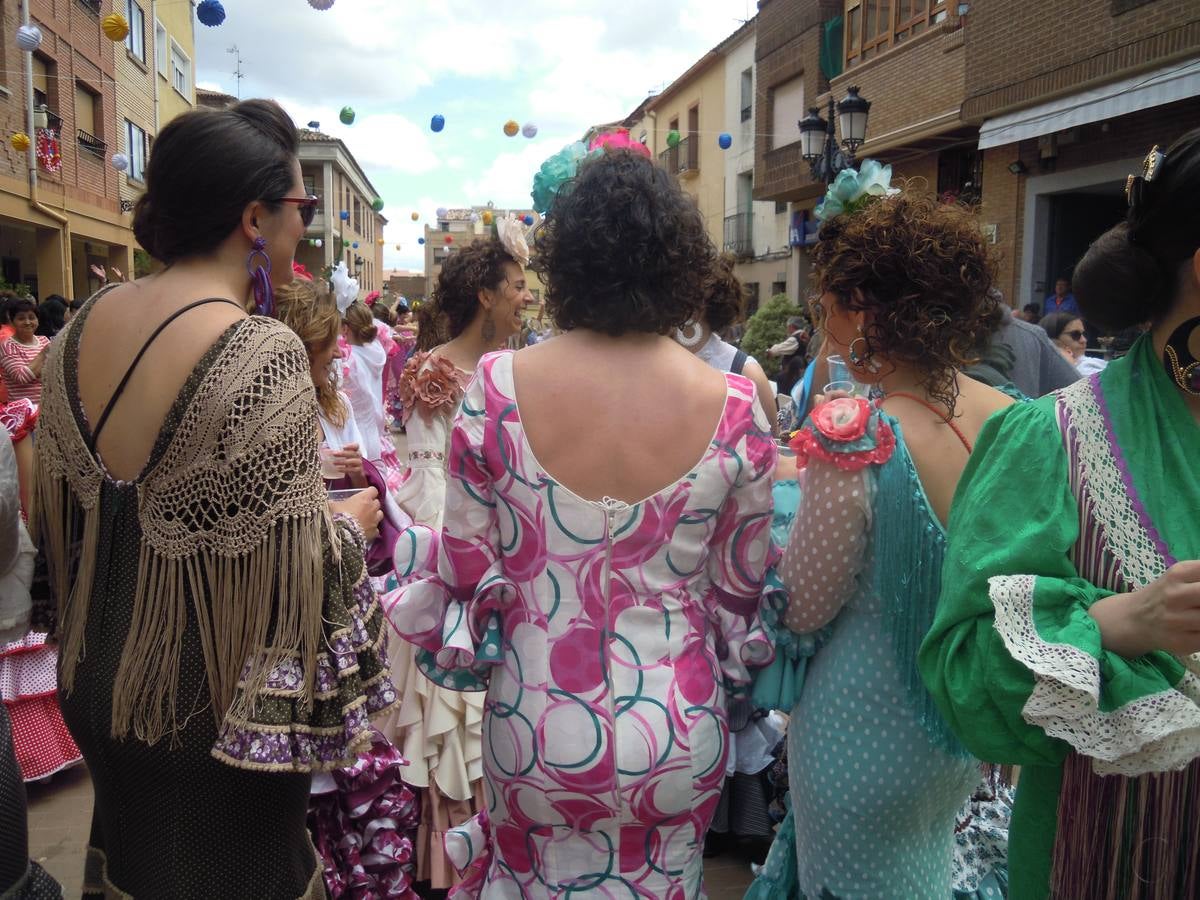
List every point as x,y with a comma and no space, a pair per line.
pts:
1176,82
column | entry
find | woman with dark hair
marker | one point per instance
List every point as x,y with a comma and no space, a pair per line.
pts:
23,355
475,308
594,554
1067,637
726,304
1070,337
877,778
218,638
52,315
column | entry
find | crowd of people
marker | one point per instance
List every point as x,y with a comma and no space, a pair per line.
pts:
625,594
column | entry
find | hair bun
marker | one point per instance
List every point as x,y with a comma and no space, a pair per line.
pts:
1120,283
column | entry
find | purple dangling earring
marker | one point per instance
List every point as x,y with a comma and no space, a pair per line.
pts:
260,277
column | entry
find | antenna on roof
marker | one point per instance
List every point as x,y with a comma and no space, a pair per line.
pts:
237,73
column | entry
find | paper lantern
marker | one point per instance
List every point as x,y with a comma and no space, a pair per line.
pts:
449,239
442,212
488,218
347,115
724,140
29,38
115,27
527,219
318,243
379,241
377,204
437,123
321,4
344,215
416,216
20,141
210,13
354,245
529,130
511,127
120,162
420,240
672,138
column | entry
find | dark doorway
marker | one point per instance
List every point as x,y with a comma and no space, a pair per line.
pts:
1077,219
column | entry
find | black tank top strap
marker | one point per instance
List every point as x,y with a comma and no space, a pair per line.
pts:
112,401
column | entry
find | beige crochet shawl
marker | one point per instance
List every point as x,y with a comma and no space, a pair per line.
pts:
233,517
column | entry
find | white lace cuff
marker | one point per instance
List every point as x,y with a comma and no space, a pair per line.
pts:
1153,733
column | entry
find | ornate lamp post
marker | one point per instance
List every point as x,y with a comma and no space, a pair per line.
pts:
818,141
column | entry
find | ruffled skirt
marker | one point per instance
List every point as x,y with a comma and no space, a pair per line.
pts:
28,687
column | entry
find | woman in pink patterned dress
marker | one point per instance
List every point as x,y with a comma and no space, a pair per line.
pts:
605,541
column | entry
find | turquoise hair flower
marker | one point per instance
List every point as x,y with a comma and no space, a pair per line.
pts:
558,169
852,190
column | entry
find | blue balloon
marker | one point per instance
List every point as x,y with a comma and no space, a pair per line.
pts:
437,123
527,219
725,140
355,245
344,215
210,13
420,240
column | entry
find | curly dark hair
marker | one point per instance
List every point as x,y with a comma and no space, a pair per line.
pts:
924,274
623,248
725,301
455,300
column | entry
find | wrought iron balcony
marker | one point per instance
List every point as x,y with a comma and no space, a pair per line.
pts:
670,159
689,154
739,235
92,6
89,143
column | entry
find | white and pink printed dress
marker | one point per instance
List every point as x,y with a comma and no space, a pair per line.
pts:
604,634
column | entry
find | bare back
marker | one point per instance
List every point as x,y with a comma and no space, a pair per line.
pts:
616,417
117,326
937,452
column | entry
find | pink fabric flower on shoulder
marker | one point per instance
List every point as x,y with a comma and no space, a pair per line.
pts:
843,419
431,384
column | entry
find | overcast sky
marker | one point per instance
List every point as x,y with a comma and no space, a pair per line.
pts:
560,64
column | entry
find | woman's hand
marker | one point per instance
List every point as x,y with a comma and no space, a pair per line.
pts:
38,362
1164,615
350,462
364,507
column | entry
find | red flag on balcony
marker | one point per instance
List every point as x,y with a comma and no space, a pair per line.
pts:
48,153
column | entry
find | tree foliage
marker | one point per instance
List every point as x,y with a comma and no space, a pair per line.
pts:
768,327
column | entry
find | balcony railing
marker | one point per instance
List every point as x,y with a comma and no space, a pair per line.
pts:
683,157
89,143
92,6
739,235
670,159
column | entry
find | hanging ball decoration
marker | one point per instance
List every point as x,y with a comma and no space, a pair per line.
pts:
120,162
437,123
314,125
210,13
488,217
377,204
19,141
29,38
511,127
724,140
347,115
420,240
527,219
115,27
449,239
355,245
397,246
416,216
529,130
321,4
318,243
474,217
442,212
672,138
379,241
344,215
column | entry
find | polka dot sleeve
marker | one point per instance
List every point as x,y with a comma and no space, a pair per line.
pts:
828,544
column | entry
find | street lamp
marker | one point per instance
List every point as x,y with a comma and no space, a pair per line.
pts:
818,141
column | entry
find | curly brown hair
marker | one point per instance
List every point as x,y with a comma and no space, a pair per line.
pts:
726,297
311,313
924,275
455,300
623,249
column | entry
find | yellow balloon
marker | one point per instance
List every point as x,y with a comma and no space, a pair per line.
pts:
487,217
115,27
19,141
380,242
416,216
511,127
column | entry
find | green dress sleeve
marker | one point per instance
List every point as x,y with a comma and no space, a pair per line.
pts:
1014,660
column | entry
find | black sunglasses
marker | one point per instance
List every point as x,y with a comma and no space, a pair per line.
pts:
1075,335
307,205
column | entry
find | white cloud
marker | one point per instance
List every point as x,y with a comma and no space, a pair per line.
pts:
507,179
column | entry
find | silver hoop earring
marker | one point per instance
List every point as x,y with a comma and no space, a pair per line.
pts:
690,335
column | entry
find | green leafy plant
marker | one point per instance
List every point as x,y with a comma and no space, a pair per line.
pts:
19,288
143,263
768,327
